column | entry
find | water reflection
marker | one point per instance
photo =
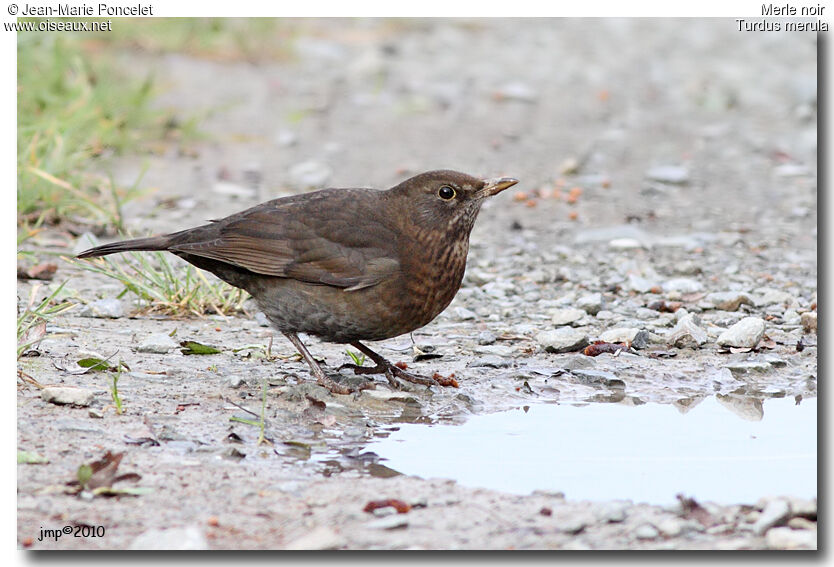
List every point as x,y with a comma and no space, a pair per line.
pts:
646,452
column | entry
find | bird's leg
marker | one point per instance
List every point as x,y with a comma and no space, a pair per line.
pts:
390,370
322,378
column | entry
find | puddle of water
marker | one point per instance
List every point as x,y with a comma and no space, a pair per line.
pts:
716,451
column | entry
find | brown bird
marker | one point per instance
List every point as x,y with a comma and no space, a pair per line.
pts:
346,265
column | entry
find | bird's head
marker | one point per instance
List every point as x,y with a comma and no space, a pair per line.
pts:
448,201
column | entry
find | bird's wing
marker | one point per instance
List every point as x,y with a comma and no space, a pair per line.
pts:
291,239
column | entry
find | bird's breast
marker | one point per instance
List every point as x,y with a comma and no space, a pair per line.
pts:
434,274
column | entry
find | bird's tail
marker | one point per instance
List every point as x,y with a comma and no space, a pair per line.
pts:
150,243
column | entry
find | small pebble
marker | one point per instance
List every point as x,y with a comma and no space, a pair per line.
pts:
802,524
786,538
67,395
640,284
777,511
745,334
465,314
575,524
614,512
625,244
637,338
500,350
389,395
561,317
770,296
159,343
728,300
670,527
591,303
563,339
103,309
602,377
683,285
489,361
803,507
646,531
486,338
687,333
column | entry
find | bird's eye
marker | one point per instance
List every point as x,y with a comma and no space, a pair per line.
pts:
446,193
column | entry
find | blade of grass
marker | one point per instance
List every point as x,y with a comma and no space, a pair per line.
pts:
43,313
175,290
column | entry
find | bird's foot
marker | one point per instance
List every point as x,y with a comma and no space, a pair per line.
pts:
391,372
322,379
394,373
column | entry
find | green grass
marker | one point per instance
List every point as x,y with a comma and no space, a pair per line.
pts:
358,359
114,389
77,105
76,108
169,288
31,323
261,421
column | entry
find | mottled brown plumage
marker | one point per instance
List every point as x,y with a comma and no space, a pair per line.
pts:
345,265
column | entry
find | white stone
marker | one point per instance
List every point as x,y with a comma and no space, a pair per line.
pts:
67,395
465,314
103,308
787,538
770,296
687,332
566,316
683,285
159,343
638,338
563,339
728,300
745,334
625,244
591,303
646,531
776,511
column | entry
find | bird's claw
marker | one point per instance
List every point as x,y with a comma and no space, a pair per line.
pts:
394,374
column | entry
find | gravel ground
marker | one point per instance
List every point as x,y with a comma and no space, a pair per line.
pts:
667,198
